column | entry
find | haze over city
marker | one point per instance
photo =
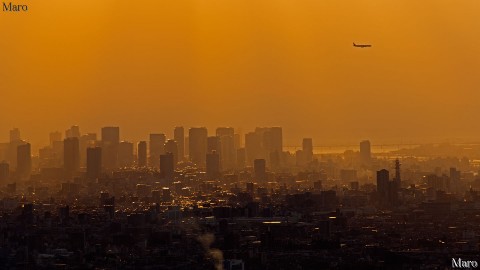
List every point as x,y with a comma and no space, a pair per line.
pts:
239,134
150,66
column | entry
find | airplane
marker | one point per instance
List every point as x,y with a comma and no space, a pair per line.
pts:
361,45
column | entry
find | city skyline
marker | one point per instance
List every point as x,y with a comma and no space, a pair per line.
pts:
216,63
240,135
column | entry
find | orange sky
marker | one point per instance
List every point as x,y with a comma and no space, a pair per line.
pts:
150,65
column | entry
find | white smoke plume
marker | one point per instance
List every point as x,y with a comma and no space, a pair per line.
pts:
216,254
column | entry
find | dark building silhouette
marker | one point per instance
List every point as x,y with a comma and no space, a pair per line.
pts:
241,158
94,162
213,144
55,136
179,137
307,148
142,154
125,154
259,167
198,145
15,135
253,147
24,160
213,165
171,146
110,142
386,189
73,132
4,172
86,141
383,178
167,166
157,148
365,152
277,139
227,147
71,156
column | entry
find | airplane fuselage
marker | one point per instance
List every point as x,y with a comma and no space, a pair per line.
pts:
362,45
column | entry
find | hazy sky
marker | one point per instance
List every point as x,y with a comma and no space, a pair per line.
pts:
150,65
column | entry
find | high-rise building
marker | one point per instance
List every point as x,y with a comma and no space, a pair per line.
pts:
171,146
15,135
55,136
94,162
237,141
241,156
365,152
24,160
4,172
383,179
213,165
110,142
179,137
300,158
167,167
187,146
307,148
197,144
73,132
71,156
142,154
277,139
157,148
227,147
387,190
125,154
253,147
86,141
259,167
213,144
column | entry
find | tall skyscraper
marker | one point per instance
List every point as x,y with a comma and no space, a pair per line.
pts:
142,154
187,146
213,165
241,157
227,147
198,145
387,190
277,139
383,179
110,142
179,137
213,144
73,132
86,141
71,156
167,167
157,148
365,152
55,136
307,148
24,160
253,147
4,172
15,141
15,135
125,154
94,162
171,146
259,167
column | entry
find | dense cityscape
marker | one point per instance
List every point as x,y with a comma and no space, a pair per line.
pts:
233,201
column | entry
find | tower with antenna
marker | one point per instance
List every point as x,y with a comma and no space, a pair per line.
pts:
397,173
